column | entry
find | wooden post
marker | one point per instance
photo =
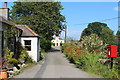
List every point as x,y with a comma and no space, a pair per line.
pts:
65,34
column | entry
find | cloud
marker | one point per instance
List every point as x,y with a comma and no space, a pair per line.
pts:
117,8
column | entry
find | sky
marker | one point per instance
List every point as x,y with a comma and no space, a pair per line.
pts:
78,13
69,0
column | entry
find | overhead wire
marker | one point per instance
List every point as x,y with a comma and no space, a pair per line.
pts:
100,20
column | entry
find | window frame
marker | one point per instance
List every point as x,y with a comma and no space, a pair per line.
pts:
27,45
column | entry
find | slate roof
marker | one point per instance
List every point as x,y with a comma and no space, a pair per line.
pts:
6,21
27,31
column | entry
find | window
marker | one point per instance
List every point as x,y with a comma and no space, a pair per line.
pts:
27,44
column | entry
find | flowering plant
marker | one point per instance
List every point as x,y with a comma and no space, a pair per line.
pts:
93,43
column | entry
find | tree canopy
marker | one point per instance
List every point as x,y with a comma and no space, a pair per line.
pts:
102,30
44,18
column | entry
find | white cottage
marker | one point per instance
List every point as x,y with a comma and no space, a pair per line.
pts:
31,41
57,40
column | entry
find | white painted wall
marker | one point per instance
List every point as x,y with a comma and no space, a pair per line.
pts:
34,47
57,40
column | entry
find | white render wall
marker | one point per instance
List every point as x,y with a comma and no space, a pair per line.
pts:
34,47
57,40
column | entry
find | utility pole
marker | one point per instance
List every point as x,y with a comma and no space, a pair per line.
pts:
65,33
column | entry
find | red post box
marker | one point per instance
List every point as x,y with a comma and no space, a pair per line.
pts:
112,51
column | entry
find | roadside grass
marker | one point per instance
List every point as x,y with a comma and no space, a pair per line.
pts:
29,65
103,71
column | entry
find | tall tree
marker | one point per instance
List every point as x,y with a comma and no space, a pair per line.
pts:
102,30
44,18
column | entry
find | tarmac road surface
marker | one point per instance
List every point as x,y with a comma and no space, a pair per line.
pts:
55,65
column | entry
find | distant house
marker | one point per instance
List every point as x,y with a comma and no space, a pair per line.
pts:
31,41
57,40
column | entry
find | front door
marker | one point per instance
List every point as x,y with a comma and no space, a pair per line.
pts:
56,44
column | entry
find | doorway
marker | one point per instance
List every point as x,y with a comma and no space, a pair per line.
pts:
56,44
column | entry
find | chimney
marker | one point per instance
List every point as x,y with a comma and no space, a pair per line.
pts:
4,12
5,4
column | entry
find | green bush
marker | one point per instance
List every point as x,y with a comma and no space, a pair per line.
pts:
29,60
24,56
42,53
45,44
61,44
13,61
8,55
53,44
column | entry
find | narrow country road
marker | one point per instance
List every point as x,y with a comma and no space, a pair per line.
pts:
54,66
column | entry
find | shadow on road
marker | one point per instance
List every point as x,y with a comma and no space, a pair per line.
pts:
54,49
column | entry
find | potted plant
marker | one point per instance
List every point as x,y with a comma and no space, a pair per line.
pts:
3,69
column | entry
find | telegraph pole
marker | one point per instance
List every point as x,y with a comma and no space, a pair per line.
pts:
65,33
